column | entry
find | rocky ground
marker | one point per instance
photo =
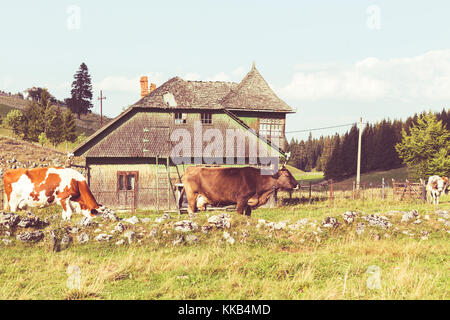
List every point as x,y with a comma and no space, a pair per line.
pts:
21,154
228,228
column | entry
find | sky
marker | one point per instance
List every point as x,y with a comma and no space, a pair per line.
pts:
332,61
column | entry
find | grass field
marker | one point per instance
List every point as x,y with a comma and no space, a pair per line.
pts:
312,262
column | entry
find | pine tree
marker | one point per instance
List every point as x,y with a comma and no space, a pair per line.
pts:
80,102
427,147
69,128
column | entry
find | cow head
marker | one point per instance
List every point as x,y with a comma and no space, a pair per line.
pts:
285,180
97,211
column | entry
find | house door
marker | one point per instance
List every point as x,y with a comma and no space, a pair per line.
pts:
127,189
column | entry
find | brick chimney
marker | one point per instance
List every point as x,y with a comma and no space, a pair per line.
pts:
144,86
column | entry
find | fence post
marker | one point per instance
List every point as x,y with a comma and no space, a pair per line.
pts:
424,191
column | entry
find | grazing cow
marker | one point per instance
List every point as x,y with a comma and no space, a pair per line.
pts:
245,186
41,187
435,186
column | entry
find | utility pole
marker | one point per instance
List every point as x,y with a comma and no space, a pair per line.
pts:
358,169
101,98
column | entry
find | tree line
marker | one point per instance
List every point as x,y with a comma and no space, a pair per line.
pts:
336,155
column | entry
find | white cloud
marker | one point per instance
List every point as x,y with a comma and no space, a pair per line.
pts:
425,77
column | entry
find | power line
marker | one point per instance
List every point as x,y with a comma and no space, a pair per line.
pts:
323,128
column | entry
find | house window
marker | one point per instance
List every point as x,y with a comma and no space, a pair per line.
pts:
126,180
206,118
271,128
180,117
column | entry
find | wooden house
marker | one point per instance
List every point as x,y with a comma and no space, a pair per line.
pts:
131,162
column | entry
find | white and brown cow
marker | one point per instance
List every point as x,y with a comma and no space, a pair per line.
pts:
436,185
41,187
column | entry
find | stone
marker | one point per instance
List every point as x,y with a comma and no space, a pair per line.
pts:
377,221
424,235
120,242
32,221
191,238
153,232
9,219
206,228
360,227
103,237
130,235
279,225
34,236
442,213
408,216
185,226
83,238
145,220
349,216
178,240
86,222
119,228
418,221
132,220
164,217
109,215
6,242
228,238
73,230
330,222
220,221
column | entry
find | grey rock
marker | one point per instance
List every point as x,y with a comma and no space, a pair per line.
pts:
424,235
185,226
130,235
153,232
87,222
191,238
132,220
178,240
221,221
408,216
31,221
83,238
103,237
109,215
9,219
206,228
360,227
119,228
349,216
120,242
377,221
330,222
228,238
34,236
145,220
7,242
442,213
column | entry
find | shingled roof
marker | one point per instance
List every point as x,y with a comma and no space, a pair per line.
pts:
251,94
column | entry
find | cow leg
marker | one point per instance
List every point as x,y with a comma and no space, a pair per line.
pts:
67,210
248,211
242,203
192,202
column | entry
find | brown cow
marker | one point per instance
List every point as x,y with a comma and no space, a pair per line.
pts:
245,186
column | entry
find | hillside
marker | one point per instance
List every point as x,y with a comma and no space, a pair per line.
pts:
21,154
375,177
88,123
